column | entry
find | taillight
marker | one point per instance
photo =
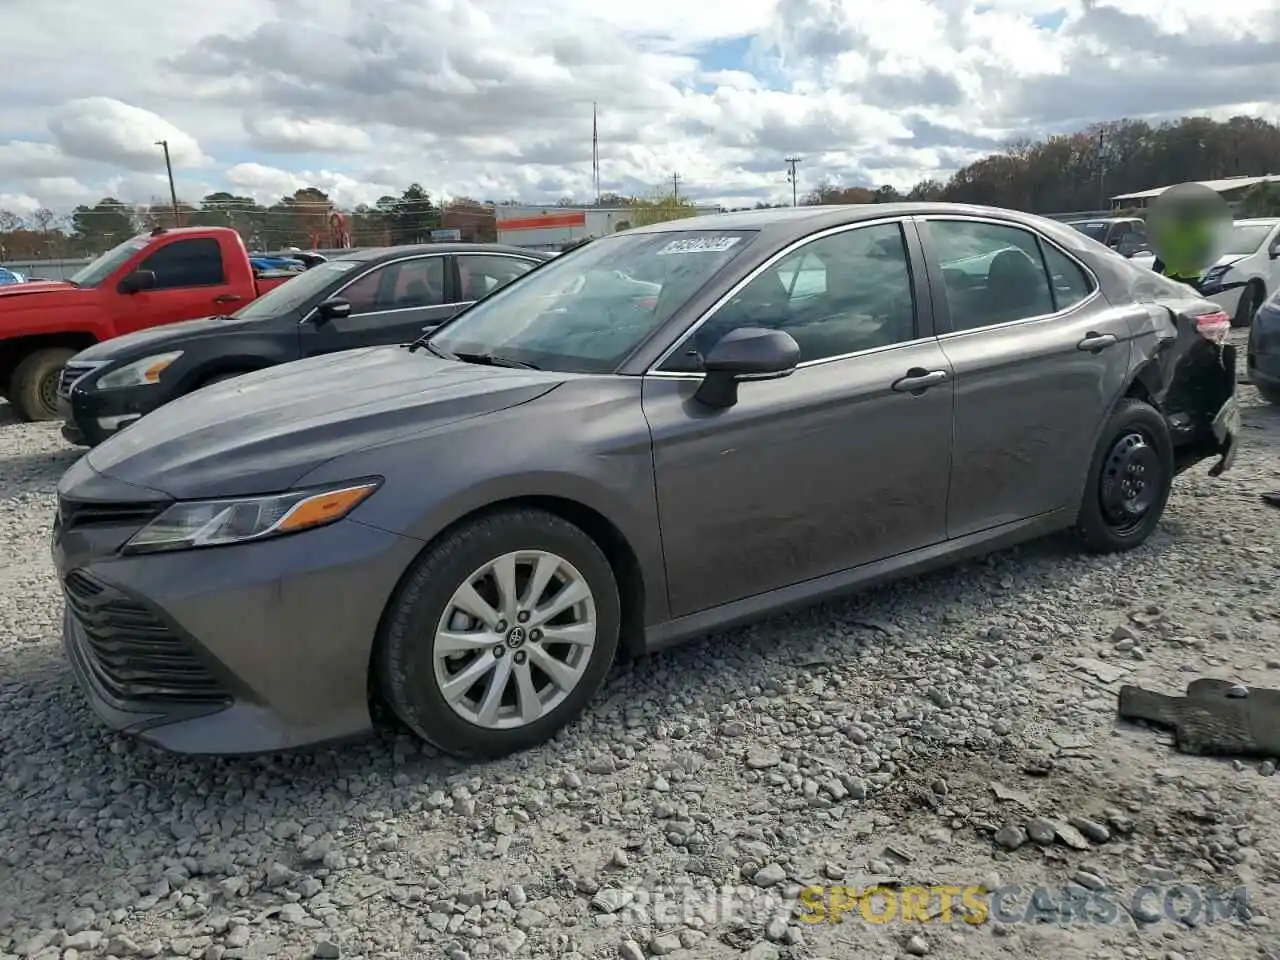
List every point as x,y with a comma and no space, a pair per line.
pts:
1214,326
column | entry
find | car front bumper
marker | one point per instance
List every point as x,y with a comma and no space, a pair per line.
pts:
90,417
230,650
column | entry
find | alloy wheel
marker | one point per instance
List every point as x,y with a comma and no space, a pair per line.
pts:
515,639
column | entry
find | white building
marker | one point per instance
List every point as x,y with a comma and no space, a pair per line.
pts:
549,228
1231,188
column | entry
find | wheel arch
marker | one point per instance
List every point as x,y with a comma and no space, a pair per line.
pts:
205,372
14,349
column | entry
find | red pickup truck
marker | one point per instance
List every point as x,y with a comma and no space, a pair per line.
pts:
149,280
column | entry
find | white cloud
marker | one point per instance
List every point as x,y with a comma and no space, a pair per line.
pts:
469,99
20,203
103,129
268,184
284,135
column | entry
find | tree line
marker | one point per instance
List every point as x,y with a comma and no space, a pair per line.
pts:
1081,171
305,218
1061,174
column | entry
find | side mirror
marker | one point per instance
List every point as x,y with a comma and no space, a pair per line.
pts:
1274,252
748,353
334,308
137,281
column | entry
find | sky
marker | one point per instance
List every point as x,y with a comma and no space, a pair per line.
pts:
492,99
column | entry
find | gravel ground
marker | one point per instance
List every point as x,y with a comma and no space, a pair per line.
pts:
956,729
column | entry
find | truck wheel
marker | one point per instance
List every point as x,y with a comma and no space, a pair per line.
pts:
33,390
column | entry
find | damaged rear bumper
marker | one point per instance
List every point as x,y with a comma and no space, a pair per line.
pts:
1205,421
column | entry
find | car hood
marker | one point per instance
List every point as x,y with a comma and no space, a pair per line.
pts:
1230,259
260,432
136,345
11,293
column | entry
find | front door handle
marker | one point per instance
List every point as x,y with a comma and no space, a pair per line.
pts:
1093,342
227,298
917,381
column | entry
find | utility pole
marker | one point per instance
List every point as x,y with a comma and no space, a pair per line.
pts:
675,187
791,176
1102,163
173,193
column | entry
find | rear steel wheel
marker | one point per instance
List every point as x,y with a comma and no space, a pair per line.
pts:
1129,480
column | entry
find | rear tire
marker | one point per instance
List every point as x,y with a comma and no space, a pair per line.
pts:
525,684
33,388
1251,297
1129,480
1269,394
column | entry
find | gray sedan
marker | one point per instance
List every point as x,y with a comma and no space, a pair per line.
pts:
659,434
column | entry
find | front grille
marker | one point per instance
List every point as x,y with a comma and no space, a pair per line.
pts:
133,654
74,514
71,373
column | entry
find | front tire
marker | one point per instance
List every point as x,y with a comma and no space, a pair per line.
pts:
501,634
33,388
1129,480
1251,298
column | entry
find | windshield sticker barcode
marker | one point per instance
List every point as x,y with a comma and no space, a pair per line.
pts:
699,245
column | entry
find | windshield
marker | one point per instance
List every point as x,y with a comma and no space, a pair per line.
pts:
296,291
107,264
1245,238
585,311
1093,229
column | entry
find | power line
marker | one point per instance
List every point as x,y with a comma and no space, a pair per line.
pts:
791,176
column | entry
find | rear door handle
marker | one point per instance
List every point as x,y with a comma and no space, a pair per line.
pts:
227,298
1097,341
917,381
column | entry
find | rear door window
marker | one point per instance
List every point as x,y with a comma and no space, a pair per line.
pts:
993,273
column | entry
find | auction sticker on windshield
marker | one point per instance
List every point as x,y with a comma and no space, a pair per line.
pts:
699,245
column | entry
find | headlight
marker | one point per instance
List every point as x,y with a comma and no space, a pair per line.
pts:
212,523
139,373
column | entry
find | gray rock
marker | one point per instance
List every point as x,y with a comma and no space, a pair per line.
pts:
1042,831
1010,837
769,875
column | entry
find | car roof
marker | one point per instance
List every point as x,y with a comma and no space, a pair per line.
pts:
1257,222
782,224
413,249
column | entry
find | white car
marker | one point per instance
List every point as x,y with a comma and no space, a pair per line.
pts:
1252,258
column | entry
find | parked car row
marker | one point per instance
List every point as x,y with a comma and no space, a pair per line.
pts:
146,281
383,296
1246,273
661,433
